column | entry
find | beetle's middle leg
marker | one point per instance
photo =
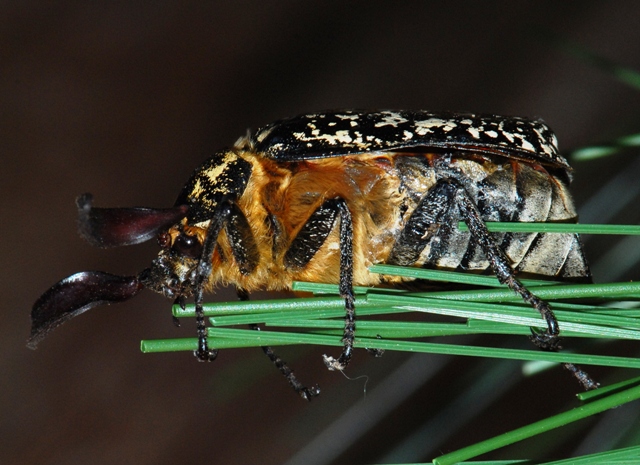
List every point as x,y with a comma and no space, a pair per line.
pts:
305,245
436,209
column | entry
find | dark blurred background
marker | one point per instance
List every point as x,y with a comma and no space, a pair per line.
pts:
125,99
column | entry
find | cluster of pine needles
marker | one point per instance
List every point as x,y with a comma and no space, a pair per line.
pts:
489,308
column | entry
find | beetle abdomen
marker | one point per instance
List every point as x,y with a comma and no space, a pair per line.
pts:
382,191
503,190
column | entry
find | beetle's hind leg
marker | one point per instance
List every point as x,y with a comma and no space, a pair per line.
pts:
545,340
436,208
304,392
305,245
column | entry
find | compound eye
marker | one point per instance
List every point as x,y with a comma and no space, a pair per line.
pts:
164,239
188,246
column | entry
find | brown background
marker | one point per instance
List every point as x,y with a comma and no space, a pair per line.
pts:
125,100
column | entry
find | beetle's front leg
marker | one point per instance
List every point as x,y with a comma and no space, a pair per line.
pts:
305,245
202,272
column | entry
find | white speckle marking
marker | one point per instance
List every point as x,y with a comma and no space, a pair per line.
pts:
351,117
525,143
391,119
509,136
475,132
332,139
545,145
263,135
214,173
426,126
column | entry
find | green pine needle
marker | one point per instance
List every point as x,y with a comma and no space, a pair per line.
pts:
603,150
565,228
584,411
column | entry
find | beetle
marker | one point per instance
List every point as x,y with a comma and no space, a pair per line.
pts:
323,196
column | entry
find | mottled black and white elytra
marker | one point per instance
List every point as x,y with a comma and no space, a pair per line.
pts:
322,197
349,132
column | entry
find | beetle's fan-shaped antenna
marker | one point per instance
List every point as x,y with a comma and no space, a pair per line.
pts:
113,227
76,294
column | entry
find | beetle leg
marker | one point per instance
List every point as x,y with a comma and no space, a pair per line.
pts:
304,392
241,240
548,340
305,245
436,208
346,289
500,264
203,353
